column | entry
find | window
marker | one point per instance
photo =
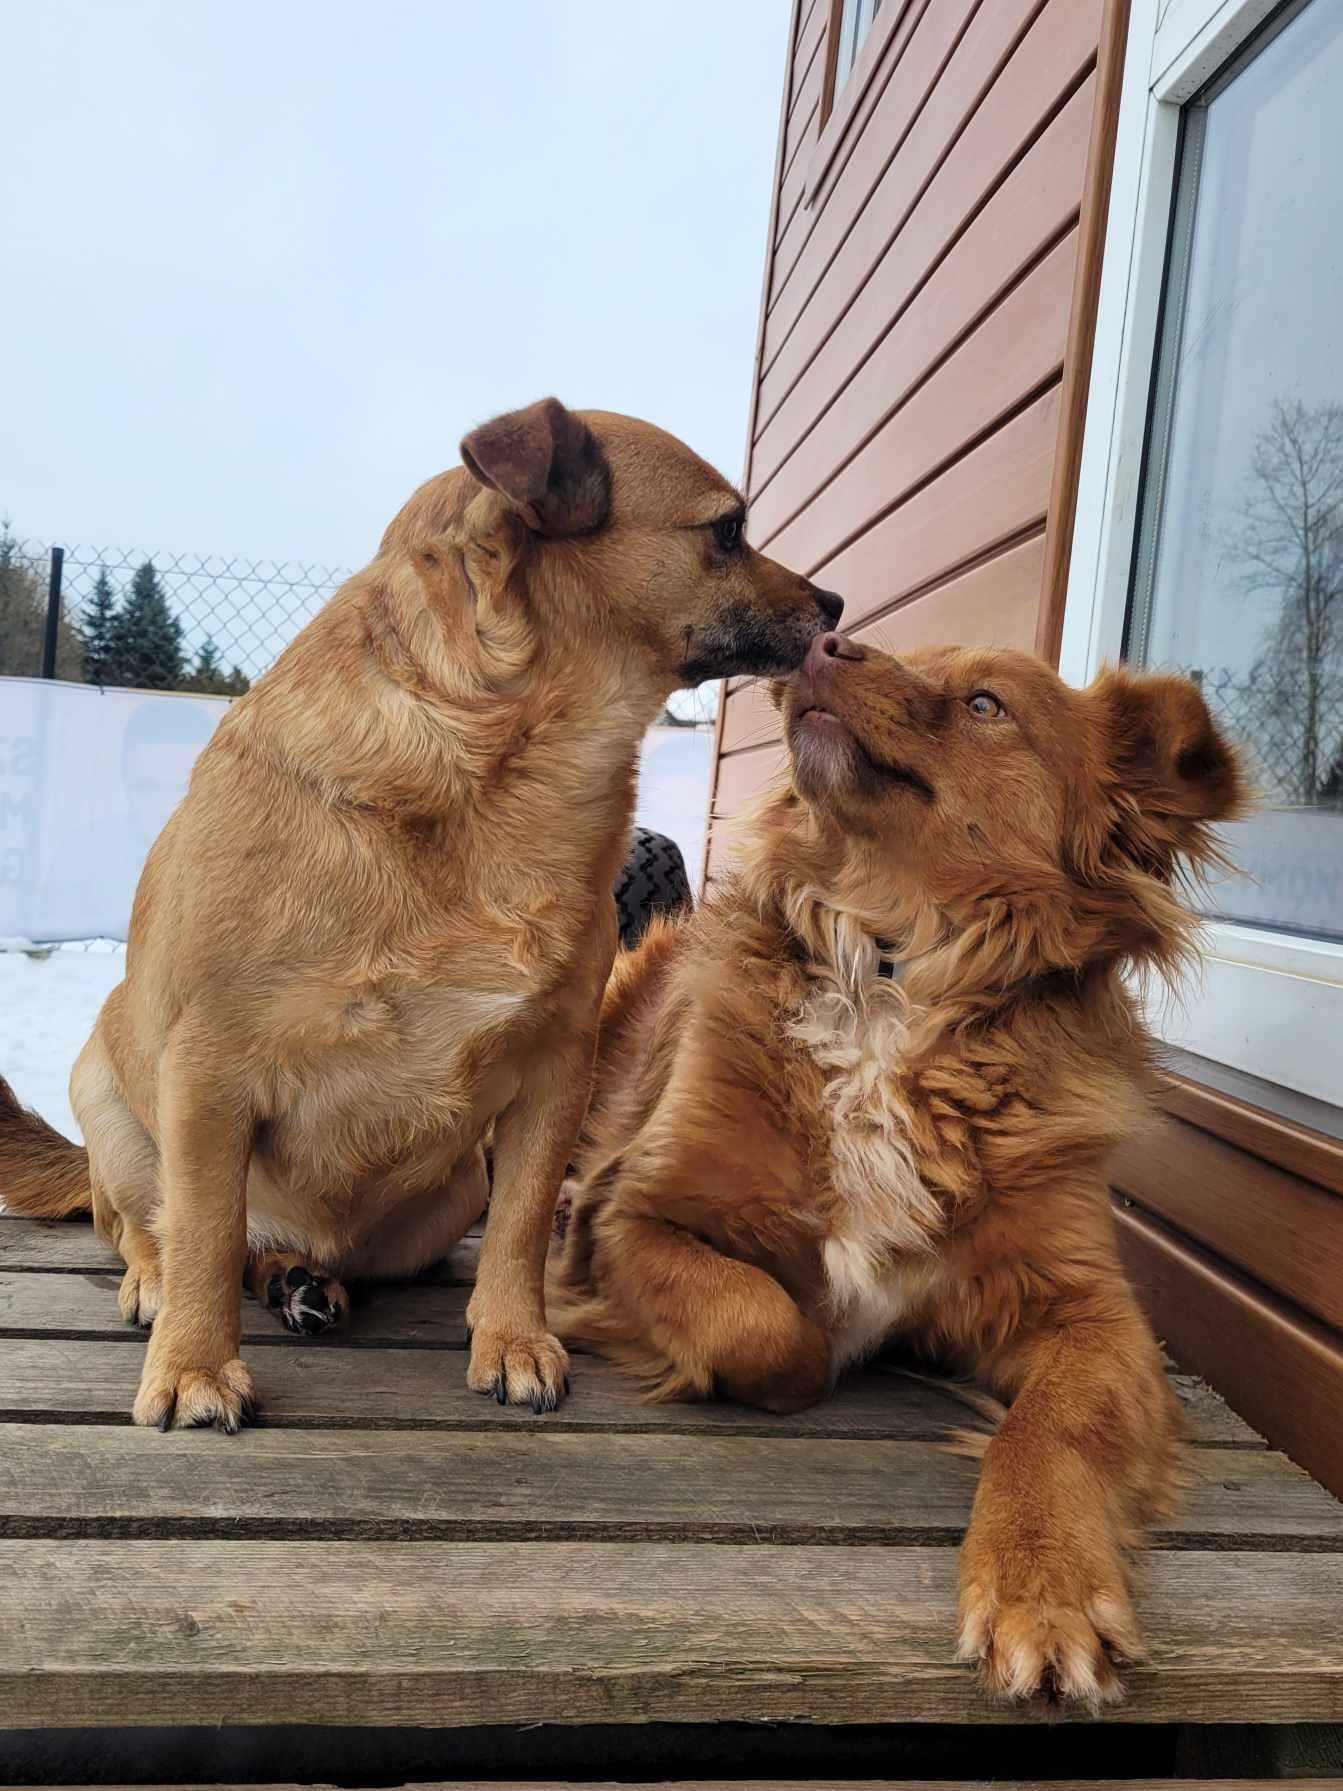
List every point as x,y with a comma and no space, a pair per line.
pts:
1210,509
855,21
1238,577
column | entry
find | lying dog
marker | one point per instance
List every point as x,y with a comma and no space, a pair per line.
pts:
381,920
869,1092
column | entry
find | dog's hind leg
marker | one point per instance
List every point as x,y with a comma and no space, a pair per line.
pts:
123,1174
664,1296
303,1296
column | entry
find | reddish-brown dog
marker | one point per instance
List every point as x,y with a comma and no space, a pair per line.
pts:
869,1092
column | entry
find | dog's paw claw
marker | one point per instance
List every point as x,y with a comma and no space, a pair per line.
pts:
530,1371
191,1398
1054,1652
140,1296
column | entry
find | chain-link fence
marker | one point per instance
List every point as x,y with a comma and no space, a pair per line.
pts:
150,621
1291,728
164,621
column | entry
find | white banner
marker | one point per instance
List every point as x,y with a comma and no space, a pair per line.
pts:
88,777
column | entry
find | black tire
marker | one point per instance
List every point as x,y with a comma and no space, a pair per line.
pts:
653,881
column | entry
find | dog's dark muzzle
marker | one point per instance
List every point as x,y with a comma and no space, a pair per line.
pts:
748,643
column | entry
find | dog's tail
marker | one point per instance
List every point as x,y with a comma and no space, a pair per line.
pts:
42,1175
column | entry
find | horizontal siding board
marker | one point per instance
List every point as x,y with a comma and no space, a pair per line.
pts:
1273,1225
850,386
741,776
995,493
923,216
860,202
992,604
816,183
809,56
1014,351
792,187
1280,1370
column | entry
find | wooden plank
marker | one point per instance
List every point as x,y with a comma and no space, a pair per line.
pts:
994,495
928,194
348,1485
1013,352
992,604
413,1315
852,386
1289,1144
1281,1370
125,1632
70,1246
56,1380
59,1379
1279,1229
75,1248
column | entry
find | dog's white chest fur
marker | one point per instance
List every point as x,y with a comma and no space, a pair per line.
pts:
886,1211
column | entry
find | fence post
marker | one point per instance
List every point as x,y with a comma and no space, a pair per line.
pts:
53,612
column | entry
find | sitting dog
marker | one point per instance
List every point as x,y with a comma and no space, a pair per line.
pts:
869,1090
381,920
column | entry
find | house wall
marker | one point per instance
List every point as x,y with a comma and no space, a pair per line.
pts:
918,290
927,320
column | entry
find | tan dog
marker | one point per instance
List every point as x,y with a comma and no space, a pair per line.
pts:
382,918
870,1089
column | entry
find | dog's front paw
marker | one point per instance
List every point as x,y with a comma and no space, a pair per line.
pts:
519,1370
172,1397
1056,1627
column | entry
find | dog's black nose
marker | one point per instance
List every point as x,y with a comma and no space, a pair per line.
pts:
830,604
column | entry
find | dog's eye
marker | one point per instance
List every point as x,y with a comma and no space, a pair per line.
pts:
984,704
727,533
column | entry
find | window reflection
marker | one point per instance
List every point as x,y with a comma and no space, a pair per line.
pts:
1238,578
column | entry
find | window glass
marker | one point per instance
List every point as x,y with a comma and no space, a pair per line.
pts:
855,21
1238,576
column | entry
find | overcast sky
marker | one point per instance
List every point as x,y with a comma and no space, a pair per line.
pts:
264,264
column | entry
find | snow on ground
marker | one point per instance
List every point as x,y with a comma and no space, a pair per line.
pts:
47,1009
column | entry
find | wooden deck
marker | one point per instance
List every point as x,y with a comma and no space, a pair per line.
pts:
390,1549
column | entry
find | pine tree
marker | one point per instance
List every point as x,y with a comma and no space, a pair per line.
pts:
99,633
147,636
23,614
208,671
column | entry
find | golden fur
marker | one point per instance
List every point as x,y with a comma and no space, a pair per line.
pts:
790,1158
381,921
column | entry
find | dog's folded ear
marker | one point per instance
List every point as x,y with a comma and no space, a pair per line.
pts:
1177,769
546,462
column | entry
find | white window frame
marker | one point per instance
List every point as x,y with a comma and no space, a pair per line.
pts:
1268,1003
